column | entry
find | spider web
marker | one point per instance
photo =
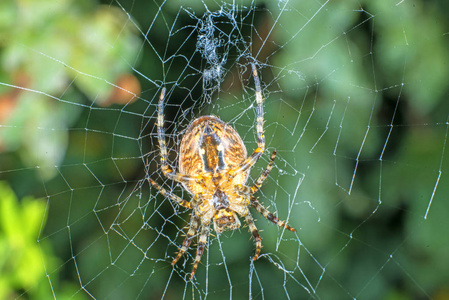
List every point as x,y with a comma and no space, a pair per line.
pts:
354,107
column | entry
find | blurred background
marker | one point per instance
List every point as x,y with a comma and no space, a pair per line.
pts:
356,107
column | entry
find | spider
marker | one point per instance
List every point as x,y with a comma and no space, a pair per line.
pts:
214,167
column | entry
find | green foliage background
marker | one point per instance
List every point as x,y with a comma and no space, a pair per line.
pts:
62,185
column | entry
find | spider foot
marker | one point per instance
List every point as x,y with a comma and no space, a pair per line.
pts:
289,228
256,255
192,275
175,260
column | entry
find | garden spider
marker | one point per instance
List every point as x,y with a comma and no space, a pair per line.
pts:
214,167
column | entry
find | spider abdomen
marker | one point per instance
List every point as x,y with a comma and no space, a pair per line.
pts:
211,148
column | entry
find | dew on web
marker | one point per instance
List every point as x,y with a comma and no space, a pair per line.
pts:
354,107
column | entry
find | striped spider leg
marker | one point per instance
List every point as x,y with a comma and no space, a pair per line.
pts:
214,167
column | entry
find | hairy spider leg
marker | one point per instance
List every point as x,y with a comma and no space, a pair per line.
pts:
259,112
194,222
245,190
200,249
251,160
253,229
170,195
268,215
264,174
168,172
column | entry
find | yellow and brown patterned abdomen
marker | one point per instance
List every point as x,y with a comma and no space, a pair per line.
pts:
211,148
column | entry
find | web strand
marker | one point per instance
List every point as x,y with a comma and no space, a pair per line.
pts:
349,97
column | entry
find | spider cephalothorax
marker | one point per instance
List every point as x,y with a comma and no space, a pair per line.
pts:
214,167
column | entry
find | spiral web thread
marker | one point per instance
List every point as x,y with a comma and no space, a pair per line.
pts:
341,154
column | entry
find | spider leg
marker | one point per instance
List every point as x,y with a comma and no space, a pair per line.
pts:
268,215
251,160
200,249
264,174
168,172
259,112
170,195
190,234
258,240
